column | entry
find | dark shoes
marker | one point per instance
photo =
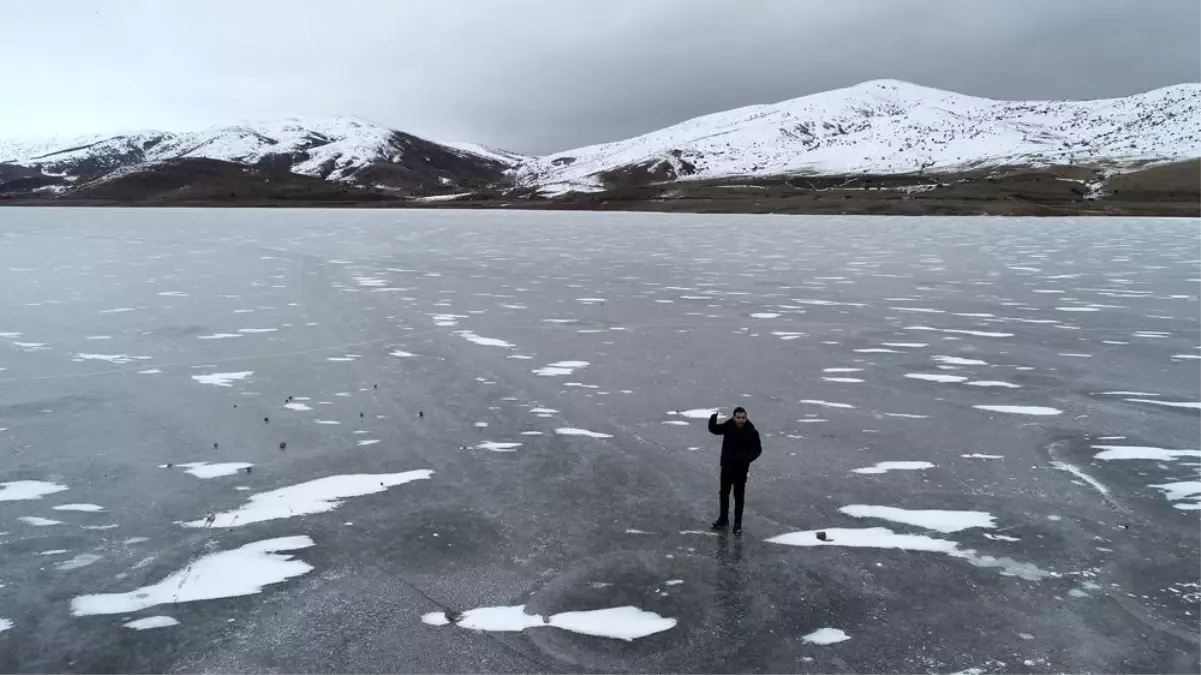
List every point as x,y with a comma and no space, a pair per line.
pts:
723,524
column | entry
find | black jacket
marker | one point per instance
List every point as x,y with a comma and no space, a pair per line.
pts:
739,447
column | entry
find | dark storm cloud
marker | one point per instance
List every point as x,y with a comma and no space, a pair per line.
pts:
539,76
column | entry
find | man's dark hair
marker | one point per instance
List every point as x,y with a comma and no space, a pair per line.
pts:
739,409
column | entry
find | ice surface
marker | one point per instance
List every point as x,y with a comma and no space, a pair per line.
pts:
1020,409
884,467
151,622
226,574
211,469
569,431
315,496
939,520
826,636
223,379
19,490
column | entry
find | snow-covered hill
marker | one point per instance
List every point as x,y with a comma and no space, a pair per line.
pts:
878,127
889,126
341,149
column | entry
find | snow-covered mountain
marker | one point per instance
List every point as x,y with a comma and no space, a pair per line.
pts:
339,149
877,127
888,126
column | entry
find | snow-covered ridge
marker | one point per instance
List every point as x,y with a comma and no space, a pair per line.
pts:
333,148
889,126
881,127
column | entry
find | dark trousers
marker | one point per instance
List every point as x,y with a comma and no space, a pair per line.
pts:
733,477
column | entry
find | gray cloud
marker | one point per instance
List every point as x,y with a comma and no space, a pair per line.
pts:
540,75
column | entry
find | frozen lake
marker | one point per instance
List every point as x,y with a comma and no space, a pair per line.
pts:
290,440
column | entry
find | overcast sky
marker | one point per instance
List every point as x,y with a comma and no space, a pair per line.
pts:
537,76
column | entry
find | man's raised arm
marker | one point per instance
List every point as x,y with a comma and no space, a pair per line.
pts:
714,427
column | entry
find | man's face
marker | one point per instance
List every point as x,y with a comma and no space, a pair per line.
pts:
740,419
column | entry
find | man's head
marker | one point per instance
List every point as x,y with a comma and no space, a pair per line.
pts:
740,416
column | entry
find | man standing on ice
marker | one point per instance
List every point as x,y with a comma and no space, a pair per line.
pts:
740,446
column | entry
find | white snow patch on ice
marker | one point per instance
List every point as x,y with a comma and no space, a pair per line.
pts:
1192,405
38,521
297,406
315,496
826,636
223,379
1182,491
1020,409
935,377
826,404
218,336
496,446
19,490
225,574
993,383
958,361
210,469
570,431
87,508
80,560
1112,452
484,341
932,519
882,537
620,623
151,622
846,380
560,368
977,455
884,467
